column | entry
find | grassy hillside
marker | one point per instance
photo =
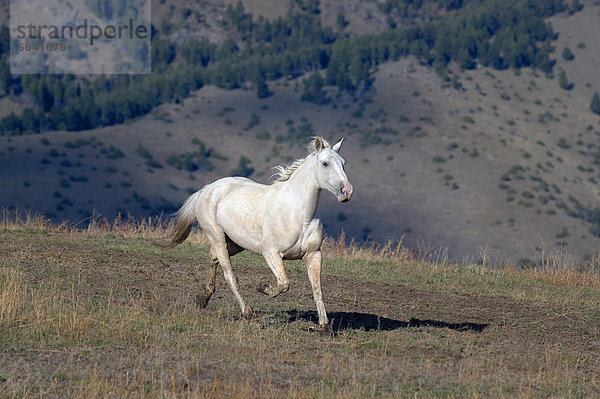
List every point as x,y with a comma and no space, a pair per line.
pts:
105,313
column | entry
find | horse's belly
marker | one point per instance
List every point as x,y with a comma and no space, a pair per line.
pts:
245,240
242,222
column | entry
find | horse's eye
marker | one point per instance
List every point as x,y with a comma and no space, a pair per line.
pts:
325,164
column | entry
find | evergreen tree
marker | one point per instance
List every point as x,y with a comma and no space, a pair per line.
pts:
163,53
262,89
341,21
5,78
313,90
494,33
312,6
287,66
225,76
4,40
243,169
11,124
464,60
575,6
563,82
359,69
595,104
567,54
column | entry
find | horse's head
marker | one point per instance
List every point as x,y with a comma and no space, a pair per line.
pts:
330,172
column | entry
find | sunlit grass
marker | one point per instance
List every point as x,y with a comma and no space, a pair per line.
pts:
104,312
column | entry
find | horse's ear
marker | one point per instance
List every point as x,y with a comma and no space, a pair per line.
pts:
337,145
318,144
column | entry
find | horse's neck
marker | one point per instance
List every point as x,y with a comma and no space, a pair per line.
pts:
303,186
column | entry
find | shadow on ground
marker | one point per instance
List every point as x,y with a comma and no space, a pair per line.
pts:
364,321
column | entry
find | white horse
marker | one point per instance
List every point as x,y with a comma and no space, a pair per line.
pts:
276,221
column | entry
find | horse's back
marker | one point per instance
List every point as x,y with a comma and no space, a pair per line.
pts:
237,206
232,186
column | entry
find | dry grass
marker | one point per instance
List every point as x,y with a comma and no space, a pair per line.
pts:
11,296
128,226
103,312
369,251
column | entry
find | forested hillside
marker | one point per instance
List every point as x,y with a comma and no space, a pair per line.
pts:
496,34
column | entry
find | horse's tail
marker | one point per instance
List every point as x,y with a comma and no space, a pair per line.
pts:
185,217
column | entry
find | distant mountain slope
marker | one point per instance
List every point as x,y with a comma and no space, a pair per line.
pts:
503,162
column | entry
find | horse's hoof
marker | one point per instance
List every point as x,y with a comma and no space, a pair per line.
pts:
264,288
248,314
326,330
201,300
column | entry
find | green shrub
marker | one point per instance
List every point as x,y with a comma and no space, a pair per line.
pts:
562,143
153,163
263,135
243,169
112,152
527,194
595,104
562,233
78,179
143,152
190,161
254,121
567,54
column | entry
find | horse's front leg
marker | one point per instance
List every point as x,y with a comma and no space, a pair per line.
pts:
313,260
275,263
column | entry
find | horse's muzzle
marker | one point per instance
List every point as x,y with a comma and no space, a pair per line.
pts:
345,192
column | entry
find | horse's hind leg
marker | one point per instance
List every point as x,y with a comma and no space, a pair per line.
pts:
203,297
209,289
219,245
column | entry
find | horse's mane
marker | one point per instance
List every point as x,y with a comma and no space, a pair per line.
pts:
284,172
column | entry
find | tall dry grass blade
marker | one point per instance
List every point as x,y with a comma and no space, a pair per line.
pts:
12,296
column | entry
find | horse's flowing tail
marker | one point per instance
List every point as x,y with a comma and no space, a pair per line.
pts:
185,220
